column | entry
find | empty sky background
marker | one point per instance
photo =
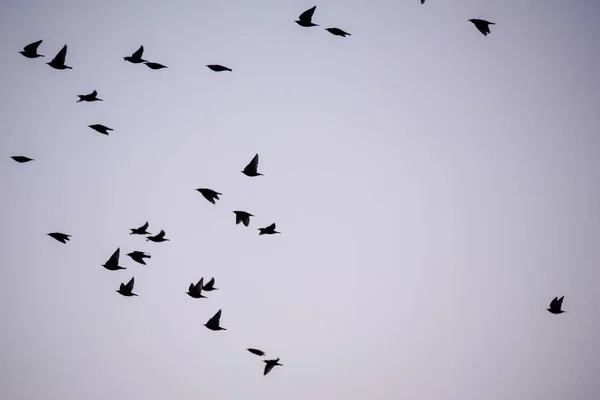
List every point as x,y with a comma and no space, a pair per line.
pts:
435,189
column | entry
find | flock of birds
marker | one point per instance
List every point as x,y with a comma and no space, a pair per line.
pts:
251,170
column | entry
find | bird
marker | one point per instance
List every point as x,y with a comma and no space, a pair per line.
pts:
305,19
89,97
269,230
153,65
210,286
209,194
127,290
160,237
112,264
141,230
195,291
138,256
58,62
61,237
21,159
422,1
270,364
257,352
482,25
101,128
218,68
252,168
337,32
30,51
243,217
556,305
213,322
136,57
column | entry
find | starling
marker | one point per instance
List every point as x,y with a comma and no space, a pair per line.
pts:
21,159
160,237
305,19
210,286
141,230
270,364
61,237
136,58
209,194
213,323
556,305
30,51
101,128
482,25
269,230
127,290
58,62
112,264
252,168
195,291
89,97
257,352
337,32
138,256
218,68
243,217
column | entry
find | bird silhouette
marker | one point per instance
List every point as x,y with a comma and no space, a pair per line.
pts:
422,1
30,51
257,352
209,194
141,230
21,159
195,291
556,306
214,321
305,19
58,62
209,286
270,364
138,256
252,168
154,65
112,264
482,25
127,290
269,230
159,237
89,97
61,237
243,217
218,68
136,57
337,32
101,128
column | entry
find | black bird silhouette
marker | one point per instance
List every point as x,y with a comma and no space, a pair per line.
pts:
214,321
270,364
252,168
136,57
141,230
422,1
269,230
256,351
482,25
209,194
153,65
337,32
89,97
127,290
243,217
138,256
159,237
112,264
21,159
100,128
556,305
195,291
305,19
218,68
30,51
210,286
61,237
58,62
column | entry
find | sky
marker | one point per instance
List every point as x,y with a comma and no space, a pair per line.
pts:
434,188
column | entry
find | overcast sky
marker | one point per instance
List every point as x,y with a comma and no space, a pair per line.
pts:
435,189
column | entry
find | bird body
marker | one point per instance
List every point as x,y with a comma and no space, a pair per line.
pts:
218,68
252,168
61,237
127,290
214,321
482,25
30,51
58,62
195,291
140,231
305,19
89,97
101,128
21,159
270,364
337,32
209,194
138,256
556,305
112,264
159,237
269,230
243,217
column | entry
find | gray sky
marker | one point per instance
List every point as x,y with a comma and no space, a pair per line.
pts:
435,189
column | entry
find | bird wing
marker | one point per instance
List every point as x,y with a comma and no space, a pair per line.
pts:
268,368
32,47
238,218
246,219
161,234
307,15
94,93
129,285
254,163
271,227
560,301
199,285
61,56
191,288
215,318
138,53
144,227
114,259
121,286
210,283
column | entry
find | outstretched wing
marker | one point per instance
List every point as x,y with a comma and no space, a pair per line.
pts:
254,163
129,286
94,93
138,53
32,47
210,283
238,218
216,319
560,301
114,259
161,234
268,368
271,227
61,56
307,15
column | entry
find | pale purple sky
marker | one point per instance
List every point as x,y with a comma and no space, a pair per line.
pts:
435,189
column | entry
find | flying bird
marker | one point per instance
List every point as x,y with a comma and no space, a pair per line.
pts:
422,1
556,306
160,237
257,352
138,256
100,128
21,159
210,286
58,62
209,194
305,19
136,57
61,237
270,364
243,217
89,97
127,290
141,230
153,65
30,51
337,32
112,264
195,291
218,68
214,321
252,168
482,25
269,230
